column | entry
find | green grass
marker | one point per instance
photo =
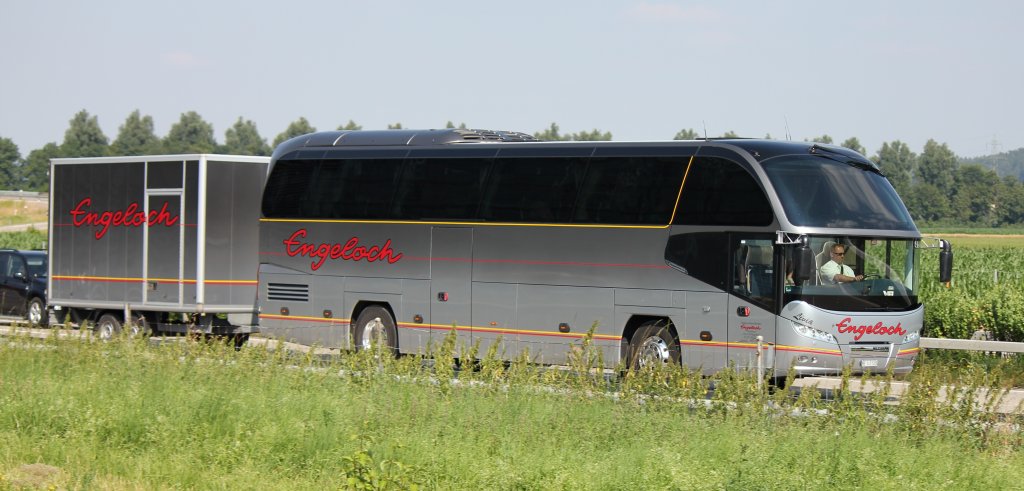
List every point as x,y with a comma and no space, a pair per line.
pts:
1005,371
126,415
29,239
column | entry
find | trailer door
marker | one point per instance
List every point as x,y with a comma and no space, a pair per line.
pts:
163,243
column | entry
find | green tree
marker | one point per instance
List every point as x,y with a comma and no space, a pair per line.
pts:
396,126
191,134
822,139
730,134
854,144
84,138
551,134
687,134
451,125
897,162
976,194
10,161
937,166
136,137
350,126
36,172
244,139
1010,206
927,203
592,136
298,127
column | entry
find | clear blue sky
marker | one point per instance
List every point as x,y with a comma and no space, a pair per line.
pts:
877,70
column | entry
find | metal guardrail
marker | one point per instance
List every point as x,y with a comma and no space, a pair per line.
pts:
926,343
23,194
972,345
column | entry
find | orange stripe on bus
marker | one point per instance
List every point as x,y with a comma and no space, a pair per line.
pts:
109,279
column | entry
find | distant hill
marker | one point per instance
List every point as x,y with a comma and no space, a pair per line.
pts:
1005,164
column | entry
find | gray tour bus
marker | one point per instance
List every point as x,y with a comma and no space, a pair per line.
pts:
695,252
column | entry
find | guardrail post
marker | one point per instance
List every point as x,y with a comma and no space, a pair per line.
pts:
760,361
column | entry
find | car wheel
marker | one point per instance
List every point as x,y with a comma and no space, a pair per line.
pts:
36,312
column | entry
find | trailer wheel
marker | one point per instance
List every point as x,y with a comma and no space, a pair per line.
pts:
108,327
138,327
36,312
375,325
653,343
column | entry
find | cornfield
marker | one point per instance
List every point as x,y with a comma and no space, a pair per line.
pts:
987,293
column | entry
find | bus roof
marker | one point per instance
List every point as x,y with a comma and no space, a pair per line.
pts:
759,149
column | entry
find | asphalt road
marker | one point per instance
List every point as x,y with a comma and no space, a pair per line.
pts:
23,226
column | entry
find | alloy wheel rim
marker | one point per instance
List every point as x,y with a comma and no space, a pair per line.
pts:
653,350
35,314
371,330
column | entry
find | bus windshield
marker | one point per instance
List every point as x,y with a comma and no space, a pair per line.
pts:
857,274
818,191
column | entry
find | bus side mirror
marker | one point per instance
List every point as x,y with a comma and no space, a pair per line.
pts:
946,263
803,263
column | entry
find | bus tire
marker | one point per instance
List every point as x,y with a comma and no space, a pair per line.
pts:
653,342
108,327
373,323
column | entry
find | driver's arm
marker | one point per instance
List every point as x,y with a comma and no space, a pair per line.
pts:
842,278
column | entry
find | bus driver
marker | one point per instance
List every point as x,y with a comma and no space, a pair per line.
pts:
834,271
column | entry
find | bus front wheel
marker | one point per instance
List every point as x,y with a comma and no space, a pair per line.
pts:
653,343
375,326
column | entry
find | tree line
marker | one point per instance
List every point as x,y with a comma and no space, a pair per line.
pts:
937,186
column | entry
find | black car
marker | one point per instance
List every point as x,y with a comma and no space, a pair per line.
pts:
23,284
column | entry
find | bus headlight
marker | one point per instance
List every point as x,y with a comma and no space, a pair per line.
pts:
815,334
910,338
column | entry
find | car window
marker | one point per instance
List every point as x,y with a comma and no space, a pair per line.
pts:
36,264
18,266
5,264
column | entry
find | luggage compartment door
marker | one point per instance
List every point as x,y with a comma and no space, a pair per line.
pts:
451,273
163,239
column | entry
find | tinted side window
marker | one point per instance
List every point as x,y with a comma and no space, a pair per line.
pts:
287,188
353,189
532,190
630,190
720,192
440,189
704,256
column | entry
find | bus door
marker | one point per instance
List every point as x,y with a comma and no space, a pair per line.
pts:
451,275
751,309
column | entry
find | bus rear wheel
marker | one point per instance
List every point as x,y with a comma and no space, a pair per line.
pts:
653,344
375,326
